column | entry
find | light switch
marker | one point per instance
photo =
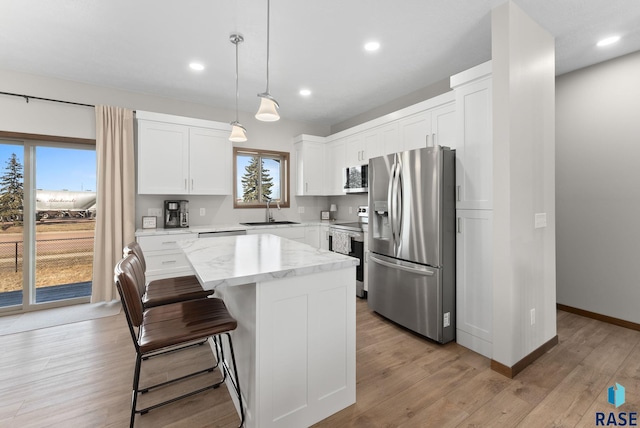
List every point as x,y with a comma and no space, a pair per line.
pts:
202,211
540,220
300,210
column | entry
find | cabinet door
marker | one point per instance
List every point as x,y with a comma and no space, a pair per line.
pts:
474,146
335,161
414,130
373,143
211,158
474,283
443,126
324,237
163,158
312,236
354,150
390,139
310,168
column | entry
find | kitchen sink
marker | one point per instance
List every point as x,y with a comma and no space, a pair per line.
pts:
267,223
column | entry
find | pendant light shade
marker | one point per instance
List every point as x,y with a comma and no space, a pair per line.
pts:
268,111
238,132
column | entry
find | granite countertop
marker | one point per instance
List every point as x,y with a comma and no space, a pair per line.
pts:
244,259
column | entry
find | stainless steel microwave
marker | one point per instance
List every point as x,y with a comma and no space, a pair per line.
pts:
356,179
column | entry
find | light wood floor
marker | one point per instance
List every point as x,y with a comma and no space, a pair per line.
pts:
79,375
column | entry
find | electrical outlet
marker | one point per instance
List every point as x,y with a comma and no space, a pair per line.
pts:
446,322
533,316
300,210
154,212
350,210
540,220
202,211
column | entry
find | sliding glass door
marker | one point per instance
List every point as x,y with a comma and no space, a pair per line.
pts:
47,238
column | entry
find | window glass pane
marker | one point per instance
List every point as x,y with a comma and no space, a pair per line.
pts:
11,237
248,178
65,222
272,177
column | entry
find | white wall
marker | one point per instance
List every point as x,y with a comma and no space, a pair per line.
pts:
523,125
598,188
42,117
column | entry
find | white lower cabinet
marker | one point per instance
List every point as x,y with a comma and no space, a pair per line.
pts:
474,284
305,234
324,237
163,256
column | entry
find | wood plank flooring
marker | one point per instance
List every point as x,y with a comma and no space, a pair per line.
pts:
79,375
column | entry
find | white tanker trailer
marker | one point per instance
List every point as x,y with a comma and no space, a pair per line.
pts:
58,203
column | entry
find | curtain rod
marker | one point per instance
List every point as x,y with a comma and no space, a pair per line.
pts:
28,97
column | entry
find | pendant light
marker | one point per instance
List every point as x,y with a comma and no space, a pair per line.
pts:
238,132
268,111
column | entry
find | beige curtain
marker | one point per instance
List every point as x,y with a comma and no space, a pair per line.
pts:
115,213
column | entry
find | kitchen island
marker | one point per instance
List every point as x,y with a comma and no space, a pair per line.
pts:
295,307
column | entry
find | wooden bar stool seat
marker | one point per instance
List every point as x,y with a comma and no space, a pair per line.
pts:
172,327
167,290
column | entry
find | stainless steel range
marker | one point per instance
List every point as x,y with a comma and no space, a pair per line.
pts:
348,238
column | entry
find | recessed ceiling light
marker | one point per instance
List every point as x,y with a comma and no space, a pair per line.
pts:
608,41
196,66
305,92
372,46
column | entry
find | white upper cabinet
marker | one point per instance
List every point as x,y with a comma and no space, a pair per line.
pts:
310,155
474,139
175,158
415,131
210,156
163,158
355,150
335,164
443,126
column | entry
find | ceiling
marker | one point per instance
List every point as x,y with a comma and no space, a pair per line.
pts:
146,45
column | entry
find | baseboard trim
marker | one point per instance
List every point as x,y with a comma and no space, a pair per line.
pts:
599,317
512,371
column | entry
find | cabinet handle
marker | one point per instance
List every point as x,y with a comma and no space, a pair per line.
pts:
192,184
458,193
363,157
168,262
433,140
185,184
306,186
168,242
459,225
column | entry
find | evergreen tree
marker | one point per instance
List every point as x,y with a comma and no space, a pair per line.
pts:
255,181
11,190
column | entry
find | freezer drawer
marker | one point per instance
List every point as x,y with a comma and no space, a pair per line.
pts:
408,294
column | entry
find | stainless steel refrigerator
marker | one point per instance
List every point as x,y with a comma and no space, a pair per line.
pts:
412,240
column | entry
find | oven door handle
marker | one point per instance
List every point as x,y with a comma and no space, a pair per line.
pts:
418,271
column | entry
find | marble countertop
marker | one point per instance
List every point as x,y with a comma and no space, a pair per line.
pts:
244,259
223,228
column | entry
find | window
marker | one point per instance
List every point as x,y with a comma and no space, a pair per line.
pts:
260,176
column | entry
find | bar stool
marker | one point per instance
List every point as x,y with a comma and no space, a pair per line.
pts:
173,325
167,290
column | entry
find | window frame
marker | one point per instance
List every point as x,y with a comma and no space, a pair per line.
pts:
284,177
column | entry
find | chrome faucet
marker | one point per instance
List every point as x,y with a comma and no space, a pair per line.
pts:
268,216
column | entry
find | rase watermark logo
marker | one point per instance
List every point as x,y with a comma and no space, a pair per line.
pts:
616,397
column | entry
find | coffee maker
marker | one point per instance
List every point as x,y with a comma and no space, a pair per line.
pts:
176,214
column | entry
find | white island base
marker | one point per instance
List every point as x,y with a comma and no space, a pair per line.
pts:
295,341
295,347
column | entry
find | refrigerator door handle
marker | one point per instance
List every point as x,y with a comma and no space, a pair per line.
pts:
390,202
398,218
419,271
